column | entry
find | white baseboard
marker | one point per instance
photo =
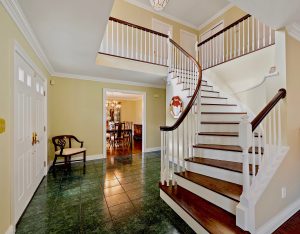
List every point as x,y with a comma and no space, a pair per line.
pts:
10,230
279,219
88,158
147,150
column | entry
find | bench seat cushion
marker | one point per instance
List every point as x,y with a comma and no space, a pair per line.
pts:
70,151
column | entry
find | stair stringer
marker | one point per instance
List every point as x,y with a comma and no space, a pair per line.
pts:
245,214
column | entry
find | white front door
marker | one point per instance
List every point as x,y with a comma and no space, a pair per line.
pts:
188,42
29,134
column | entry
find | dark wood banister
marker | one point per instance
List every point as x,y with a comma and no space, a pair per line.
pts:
137,26
260,117
225,29
194,97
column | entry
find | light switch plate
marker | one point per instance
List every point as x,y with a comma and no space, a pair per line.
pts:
2,125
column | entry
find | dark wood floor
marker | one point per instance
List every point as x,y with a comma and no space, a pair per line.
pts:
119,151
291,226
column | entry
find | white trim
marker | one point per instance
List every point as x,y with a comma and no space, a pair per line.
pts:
211,19
294,30
280,218
16,13
161,13
144,118
148,150
154,20
10,230
105,80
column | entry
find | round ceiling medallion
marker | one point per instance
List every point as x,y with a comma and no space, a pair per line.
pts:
176,106
159,5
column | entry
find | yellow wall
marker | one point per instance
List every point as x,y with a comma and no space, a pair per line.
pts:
289,173
131,111
75,107
136,15
230,16
8,34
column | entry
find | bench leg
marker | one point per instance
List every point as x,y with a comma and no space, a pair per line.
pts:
54,161
84,157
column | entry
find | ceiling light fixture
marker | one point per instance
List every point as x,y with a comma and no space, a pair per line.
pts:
159,5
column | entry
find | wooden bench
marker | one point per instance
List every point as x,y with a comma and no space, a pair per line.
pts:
60,142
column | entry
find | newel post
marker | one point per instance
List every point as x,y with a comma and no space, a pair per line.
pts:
197,51
245,217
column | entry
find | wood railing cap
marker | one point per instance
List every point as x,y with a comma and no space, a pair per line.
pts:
225,29
265,111
193,98
138,27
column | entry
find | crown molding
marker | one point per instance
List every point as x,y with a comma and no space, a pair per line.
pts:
161,13
16,13
105,80
294,30
218,14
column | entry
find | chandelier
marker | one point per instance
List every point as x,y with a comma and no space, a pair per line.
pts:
159,5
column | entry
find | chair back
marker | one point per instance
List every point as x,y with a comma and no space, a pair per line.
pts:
119,128
60,142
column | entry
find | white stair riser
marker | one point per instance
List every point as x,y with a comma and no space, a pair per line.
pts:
222,117
219,127
214,172
209,94
215,198
183,214
222,155
207,88
220,140
219,108
213,100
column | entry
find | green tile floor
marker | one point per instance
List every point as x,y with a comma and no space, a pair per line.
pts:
120,195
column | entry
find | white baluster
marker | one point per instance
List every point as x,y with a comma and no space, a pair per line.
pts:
149,52
239,48
231,42
136,44
227,49
145,55
173,162
157,61
107,39
248,30
253,155
235,39
161,50
168,158
153,48
270,36
117,28
122,43
279,125
141,45
112,37
264,35
127,42
132,44
177,149
259,146
274,126
253,33
258,34
243,37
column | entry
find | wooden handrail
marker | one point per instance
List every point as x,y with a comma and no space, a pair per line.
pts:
137,26
225,29
194,97
260,117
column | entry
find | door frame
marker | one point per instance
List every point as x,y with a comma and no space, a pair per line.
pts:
19,51
144,107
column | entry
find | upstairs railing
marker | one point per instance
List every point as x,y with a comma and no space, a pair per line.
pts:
177,140
242,37
261,143
131,41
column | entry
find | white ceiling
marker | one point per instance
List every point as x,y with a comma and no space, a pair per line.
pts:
124,96
194,13
70,34
275,13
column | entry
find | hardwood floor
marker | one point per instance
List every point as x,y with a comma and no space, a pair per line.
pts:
119,151
291,226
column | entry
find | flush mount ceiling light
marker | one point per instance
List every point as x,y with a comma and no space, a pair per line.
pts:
159,5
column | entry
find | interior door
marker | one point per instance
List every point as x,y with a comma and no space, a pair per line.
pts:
188,42
29,135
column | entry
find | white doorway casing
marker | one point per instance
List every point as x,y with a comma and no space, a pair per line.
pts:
144,101
29,111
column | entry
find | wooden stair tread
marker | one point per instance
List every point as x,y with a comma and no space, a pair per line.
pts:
227,189
215,104
227,165
219,122
234,148
231,134
224,113
211,217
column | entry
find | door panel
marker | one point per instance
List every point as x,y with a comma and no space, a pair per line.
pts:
28,158
188,42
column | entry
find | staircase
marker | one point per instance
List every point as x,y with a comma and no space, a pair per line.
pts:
215,162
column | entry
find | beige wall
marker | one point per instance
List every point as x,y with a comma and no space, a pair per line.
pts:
75,107
131,111
8,34
133,14
289,173
230,16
